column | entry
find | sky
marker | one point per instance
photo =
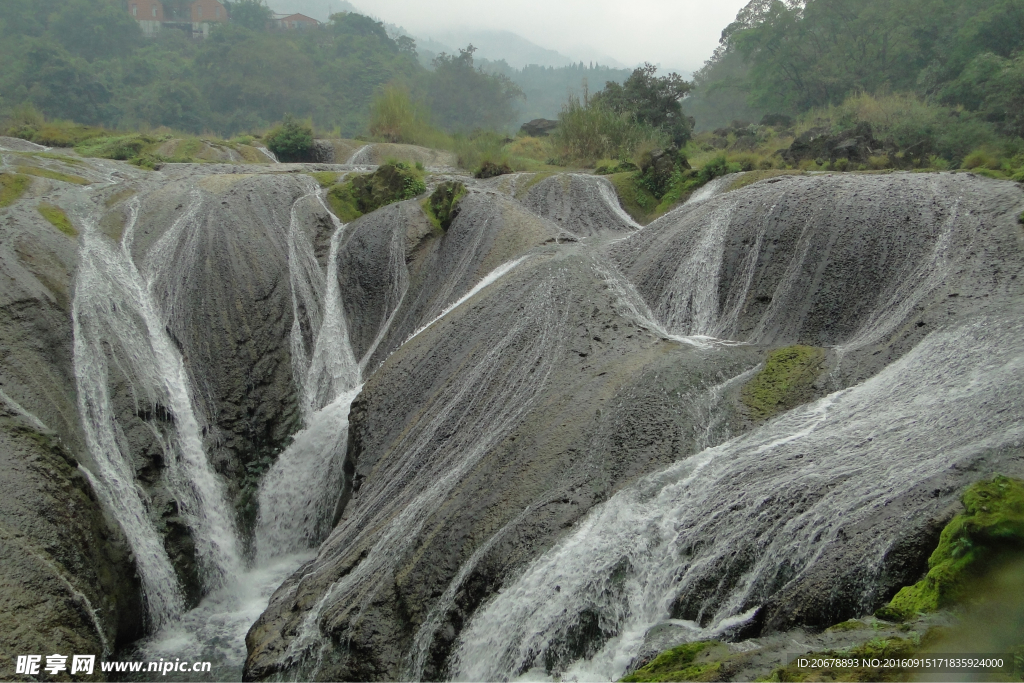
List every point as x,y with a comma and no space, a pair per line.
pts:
677,34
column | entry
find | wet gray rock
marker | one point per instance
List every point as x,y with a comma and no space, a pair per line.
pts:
483,439
68,577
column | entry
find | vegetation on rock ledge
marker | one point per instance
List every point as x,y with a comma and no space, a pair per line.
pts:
988,532
442,207
392,182
678,664
12,187
58,219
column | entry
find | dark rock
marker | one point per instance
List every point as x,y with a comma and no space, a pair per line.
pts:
777,121
539,127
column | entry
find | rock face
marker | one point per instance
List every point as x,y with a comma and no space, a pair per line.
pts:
68,578
496,433
550,457
856,145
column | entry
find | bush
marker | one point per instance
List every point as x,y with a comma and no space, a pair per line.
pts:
489,169
982,158
394,117
588,131
292,141
391,182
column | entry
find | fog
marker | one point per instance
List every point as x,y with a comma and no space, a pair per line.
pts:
677,34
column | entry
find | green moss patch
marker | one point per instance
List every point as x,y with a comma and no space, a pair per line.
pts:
53,175
12,187
785,382
989,532
635,199
678,664
325,178
442,207
58,219
363,194
851,625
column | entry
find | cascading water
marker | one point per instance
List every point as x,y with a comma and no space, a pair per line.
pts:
298,496
116,308
113,310
723,530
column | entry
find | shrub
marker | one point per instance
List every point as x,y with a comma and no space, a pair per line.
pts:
588,131
292,141
489,169
716,168
362,194
982,158
394,117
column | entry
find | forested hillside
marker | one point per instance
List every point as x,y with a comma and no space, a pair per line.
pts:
87,60
793,56
546,88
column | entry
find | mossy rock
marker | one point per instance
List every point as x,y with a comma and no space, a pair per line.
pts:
785,382
679,664
851,625
989,532
364,194
12,187
442,207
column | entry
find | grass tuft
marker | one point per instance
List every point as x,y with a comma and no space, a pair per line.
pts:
12,187
53,175
58,219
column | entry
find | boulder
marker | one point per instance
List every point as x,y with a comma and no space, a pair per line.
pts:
539,128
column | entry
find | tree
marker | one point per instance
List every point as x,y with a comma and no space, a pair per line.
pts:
652,100
252,14
95,29
464,98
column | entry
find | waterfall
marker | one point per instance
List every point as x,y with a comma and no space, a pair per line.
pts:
298,496
361,157
112,309
725,529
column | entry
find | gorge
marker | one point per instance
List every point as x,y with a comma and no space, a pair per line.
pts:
239,430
